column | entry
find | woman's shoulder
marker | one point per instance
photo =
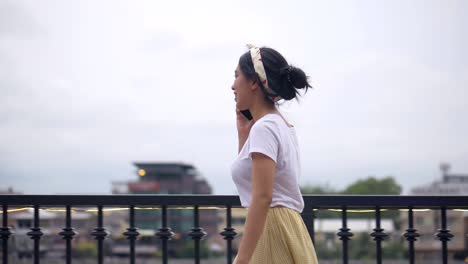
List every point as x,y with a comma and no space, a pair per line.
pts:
266,122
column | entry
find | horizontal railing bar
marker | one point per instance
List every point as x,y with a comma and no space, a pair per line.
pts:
118,199
311,201
85,209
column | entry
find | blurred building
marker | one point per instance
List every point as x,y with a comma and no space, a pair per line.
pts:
170,178
8,190
427,222
449,184
51,223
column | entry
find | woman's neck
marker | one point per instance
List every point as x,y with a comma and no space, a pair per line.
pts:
258,113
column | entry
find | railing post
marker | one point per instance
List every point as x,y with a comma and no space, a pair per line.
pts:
312,224
411,235
228,234
5,234
344,235
444,234
308,216
100,234
36,235
68,233
132,233
164,233
378,235
196,233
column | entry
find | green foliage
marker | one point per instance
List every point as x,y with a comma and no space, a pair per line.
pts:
85,250
371,185
367,186
317,189
393,250
187,249
361,246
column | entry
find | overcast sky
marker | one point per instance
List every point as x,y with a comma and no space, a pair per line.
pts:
89,87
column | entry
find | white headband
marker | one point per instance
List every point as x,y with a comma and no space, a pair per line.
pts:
260,70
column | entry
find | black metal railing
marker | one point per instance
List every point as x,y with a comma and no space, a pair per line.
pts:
342,203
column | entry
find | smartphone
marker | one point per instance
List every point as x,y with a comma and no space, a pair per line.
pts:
247,114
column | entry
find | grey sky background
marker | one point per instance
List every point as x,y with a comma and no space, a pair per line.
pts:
88,87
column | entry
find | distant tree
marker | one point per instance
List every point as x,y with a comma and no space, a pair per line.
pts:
361,245
367,186
371,185
318,189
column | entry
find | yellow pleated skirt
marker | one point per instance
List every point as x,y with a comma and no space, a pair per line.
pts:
284,240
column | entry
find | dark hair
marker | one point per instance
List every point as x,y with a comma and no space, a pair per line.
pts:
277,70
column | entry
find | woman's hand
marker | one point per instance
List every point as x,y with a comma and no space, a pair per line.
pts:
243,124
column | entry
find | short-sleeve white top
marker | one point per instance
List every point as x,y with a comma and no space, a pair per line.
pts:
271,136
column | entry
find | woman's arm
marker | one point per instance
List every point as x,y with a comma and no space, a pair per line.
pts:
263,172
242,139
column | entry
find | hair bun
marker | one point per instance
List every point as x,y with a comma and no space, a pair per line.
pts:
298,78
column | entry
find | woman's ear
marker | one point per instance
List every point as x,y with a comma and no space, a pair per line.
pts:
254,85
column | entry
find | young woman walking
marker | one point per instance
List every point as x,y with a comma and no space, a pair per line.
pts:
267,169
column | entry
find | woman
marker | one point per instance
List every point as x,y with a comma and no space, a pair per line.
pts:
267,168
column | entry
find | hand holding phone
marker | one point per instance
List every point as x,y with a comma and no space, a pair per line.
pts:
244,122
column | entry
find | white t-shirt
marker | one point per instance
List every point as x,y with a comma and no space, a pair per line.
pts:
271,136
